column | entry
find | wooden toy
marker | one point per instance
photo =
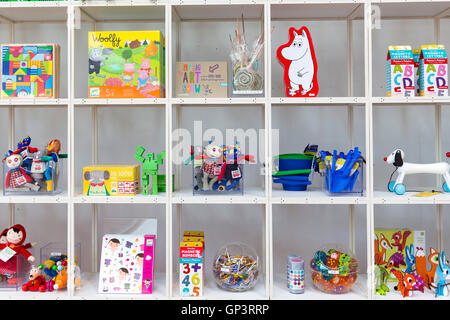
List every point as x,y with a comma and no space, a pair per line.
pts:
201,79
391,253
433,71
126,64
127,263
149,168
30,71
400,71
192,256
111,180
300,65
405,168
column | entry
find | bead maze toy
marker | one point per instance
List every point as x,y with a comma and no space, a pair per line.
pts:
404,168
150,167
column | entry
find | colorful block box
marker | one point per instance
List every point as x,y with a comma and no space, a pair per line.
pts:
400,71
126,64
202,79
433,71
111,180
30,71
390,247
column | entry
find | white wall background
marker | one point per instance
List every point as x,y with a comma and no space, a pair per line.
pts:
297,229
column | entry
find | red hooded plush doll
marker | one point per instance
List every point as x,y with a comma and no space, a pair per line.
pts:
15,238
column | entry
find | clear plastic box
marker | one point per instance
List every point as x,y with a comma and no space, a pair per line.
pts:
350,185
14,272
233,185
49,185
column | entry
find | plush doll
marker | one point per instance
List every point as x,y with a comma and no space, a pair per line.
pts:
212,166
15,237
37,281
17,178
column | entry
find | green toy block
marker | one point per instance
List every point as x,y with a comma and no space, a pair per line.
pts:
150,167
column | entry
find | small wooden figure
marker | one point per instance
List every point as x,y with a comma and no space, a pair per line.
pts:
300,66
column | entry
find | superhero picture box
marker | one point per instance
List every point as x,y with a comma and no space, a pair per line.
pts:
126,64
30,71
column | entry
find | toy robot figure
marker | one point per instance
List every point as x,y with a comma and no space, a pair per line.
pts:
149,168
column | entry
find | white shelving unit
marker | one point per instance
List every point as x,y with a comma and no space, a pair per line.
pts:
172,14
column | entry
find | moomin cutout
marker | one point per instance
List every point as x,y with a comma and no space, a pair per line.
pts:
300,65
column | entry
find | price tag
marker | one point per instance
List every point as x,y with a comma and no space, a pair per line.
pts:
7,254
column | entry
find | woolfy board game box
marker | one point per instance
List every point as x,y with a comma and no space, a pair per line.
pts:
29,70
202,79
390,247
126,64
127,263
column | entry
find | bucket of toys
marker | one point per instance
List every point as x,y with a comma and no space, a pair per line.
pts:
334,269
236,267
292,170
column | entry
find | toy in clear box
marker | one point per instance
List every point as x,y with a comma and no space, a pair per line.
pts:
342,173
218,169
55,264
32,171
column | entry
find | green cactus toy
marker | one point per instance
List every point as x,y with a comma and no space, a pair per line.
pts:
149,168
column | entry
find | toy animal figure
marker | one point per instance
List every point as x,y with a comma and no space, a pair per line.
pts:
421,265
381,246
396,260
441,276
404,168
17,178
37,281
420,283
300,66
149,168
405,283
433,259
399,240
410,259
128,74
380,280
97,186
212,166
96,62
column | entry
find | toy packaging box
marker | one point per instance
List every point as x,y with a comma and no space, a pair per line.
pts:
390,247
126,64
433,71
127,264
30,70
202,79
111,180
192,258
400,71
416,55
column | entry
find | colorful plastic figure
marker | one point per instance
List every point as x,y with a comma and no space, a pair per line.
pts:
149,168
441,276
37,281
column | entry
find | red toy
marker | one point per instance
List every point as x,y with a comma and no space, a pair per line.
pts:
37,281
15,237
300,65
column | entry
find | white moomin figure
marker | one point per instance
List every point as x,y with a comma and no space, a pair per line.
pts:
301,70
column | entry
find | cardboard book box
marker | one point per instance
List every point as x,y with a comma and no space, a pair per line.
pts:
390,247
201,79
126,64
30,71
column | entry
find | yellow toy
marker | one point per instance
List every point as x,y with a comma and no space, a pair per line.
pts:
111,180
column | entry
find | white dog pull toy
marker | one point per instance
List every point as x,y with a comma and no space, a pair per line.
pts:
404,168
